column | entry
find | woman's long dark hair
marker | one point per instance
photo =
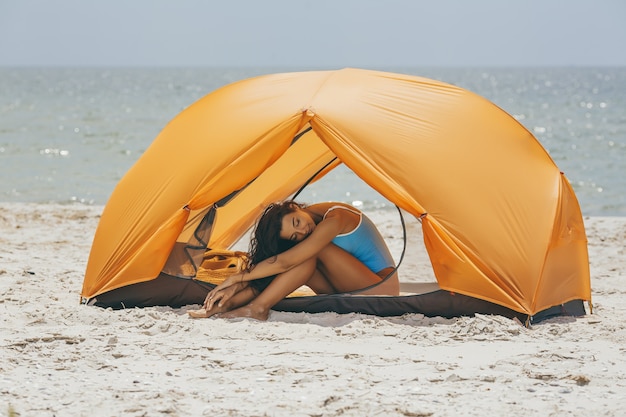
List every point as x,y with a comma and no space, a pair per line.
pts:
266,242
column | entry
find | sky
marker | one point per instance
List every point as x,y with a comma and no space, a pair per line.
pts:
304,33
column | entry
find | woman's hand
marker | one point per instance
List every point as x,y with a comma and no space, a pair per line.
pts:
223,292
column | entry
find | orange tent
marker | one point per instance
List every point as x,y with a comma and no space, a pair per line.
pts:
500,222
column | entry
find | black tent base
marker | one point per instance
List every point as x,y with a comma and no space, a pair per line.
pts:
164,290
167,290
438,303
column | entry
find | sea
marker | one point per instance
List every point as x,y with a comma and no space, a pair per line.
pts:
68,135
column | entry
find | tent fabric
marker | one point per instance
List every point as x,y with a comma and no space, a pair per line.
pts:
501,223
175,292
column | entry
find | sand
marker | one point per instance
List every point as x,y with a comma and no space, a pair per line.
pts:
59,358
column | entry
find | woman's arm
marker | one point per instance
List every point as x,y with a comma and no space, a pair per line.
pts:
321,236
324,233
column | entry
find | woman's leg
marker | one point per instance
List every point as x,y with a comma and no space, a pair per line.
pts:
347,273
283,285
319,284
390,287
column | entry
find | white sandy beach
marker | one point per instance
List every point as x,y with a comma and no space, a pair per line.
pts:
59,358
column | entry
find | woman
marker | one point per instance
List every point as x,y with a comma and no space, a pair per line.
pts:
330,247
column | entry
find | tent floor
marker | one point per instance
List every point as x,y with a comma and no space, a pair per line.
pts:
422,298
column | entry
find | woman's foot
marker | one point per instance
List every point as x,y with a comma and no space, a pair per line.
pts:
250,311
199,314
204,313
